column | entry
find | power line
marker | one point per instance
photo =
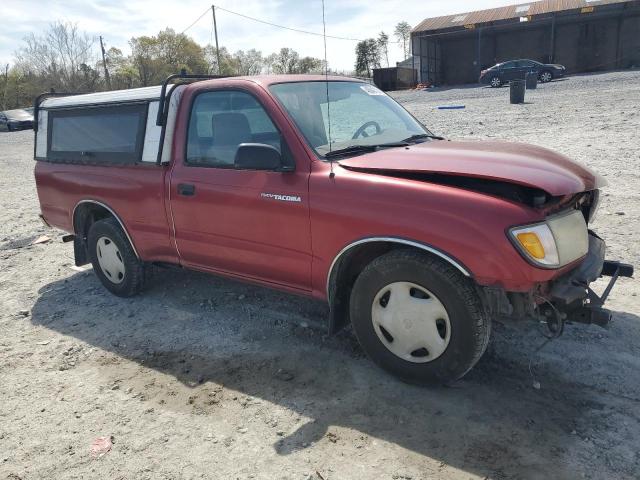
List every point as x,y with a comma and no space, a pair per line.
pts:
197,19
318,34
298,30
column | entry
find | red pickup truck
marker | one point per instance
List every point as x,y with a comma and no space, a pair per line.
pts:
326,187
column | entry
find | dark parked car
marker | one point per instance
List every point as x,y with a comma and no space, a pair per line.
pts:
16,120
502,73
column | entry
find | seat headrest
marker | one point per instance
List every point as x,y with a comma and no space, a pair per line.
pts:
230,128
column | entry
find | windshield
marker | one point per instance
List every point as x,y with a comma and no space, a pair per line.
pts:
361,115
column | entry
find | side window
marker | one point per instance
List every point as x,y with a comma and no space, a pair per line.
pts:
220,121
97,134
524,64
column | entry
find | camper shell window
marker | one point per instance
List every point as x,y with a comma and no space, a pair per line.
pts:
97,134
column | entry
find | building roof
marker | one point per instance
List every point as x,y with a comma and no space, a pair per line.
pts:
506,13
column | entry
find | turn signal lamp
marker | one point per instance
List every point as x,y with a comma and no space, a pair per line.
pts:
537,243
531,243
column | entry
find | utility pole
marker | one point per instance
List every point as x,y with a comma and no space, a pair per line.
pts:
6,86
104,64
215,30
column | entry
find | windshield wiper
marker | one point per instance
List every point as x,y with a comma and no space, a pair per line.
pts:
422,135
363,149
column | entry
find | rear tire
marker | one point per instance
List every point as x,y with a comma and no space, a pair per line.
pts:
437,322
113,259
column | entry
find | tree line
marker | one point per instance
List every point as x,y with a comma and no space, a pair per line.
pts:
67,60
371,52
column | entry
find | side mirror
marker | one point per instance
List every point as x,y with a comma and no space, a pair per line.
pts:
258,156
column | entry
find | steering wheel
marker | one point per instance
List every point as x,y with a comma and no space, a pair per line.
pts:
361,130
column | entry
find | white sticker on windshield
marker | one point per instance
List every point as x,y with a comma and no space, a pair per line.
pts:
371,90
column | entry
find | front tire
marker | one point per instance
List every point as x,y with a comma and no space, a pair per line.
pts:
113,258
546,76
495,82
419,318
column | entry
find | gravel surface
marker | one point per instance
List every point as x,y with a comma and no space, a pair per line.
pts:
202,377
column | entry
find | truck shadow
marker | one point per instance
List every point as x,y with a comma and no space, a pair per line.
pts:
216,337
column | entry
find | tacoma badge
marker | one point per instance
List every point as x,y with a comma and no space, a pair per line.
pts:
282,198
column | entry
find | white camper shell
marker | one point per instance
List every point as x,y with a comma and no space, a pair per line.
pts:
106,127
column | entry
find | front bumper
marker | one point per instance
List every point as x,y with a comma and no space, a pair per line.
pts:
571,295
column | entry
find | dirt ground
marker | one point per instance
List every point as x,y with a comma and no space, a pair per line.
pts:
202,377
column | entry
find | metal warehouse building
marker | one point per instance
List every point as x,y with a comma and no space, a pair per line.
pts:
583,35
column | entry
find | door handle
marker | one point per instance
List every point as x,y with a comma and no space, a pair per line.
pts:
186,189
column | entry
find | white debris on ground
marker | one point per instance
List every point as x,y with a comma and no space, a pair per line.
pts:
203,377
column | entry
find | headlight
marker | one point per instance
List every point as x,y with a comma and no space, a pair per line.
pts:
538,244
560,240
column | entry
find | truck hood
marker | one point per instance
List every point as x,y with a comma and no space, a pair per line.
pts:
515,163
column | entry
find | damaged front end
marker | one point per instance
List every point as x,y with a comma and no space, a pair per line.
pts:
567,299
572,295
563,198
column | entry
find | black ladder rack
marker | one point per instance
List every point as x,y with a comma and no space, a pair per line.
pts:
163,106
164,101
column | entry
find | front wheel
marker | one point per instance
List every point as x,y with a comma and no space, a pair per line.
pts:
113,258
546,76
495,82
419,318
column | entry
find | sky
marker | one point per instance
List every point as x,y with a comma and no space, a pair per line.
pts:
119,20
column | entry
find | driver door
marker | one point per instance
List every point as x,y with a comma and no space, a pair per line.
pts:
524,67
248,223
509,71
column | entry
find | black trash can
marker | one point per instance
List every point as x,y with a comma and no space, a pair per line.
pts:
532,81
516,91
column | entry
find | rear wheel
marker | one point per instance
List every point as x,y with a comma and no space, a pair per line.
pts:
114,261
546,76
418,317
495,82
